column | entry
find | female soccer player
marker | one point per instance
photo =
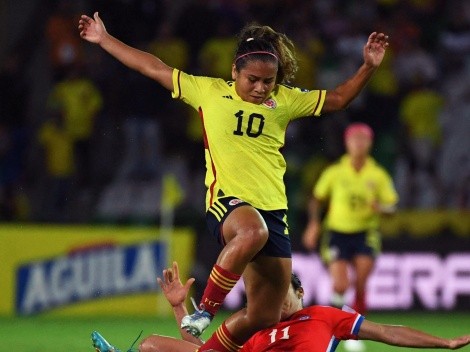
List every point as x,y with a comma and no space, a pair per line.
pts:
244,123
314,328
358,191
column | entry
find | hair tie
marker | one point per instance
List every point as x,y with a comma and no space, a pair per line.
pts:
250,39
257,52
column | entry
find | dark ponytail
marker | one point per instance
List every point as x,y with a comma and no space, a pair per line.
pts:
267,45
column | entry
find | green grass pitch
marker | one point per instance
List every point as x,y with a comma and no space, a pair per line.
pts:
41,334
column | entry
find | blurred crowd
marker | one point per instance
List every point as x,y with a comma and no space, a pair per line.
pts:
83,139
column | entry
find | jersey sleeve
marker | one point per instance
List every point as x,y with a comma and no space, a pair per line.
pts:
387,193
190,88
305,103
345,324
322,188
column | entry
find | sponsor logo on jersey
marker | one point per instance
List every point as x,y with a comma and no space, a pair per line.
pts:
270,103
227,97
304,317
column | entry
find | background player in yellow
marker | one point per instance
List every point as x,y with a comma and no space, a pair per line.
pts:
244,123
357,191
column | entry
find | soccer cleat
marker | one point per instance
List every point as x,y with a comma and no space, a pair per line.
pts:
100,344
196,323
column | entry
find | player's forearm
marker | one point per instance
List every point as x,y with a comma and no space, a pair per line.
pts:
407,337
138,60
387,209
180,311
342,95
314,208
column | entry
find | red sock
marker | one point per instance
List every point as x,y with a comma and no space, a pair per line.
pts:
221,341
219,284
360,303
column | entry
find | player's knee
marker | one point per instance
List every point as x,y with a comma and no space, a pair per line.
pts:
255,237
148,345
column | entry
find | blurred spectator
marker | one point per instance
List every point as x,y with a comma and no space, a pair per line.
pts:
6,179
13,135
383,97
309,51
141,128
172,118
455,37
194,25
454,160
141,15
172,50
144,105
419,114
59,161
65,48
80,101
13,92
218,52
412,63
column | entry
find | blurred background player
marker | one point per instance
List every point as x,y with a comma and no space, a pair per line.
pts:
357,191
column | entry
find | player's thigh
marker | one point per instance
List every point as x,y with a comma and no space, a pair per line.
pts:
267,280
157,343
245,221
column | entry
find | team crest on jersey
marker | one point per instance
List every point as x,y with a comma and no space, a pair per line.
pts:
270,103
235,202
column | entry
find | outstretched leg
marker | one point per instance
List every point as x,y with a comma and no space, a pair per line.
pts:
157,343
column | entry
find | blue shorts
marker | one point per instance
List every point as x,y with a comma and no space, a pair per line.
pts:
338,245
278,244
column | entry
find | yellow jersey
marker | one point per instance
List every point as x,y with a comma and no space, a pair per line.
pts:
81,101
351,194
243,140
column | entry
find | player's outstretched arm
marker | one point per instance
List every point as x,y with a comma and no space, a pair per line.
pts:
374,51
94,31
176,293
404,336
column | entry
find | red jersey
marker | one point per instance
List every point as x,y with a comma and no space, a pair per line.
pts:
312,329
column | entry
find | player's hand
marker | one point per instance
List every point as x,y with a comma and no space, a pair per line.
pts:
374,50
311,234
375,205
174,291
92,29
459,342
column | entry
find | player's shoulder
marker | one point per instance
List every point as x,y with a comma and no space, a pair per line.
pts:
334,167
323,309
332,313
286,91
213,82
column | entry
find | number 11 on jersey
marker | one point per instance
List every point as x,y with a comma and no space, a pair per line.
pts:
284,336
